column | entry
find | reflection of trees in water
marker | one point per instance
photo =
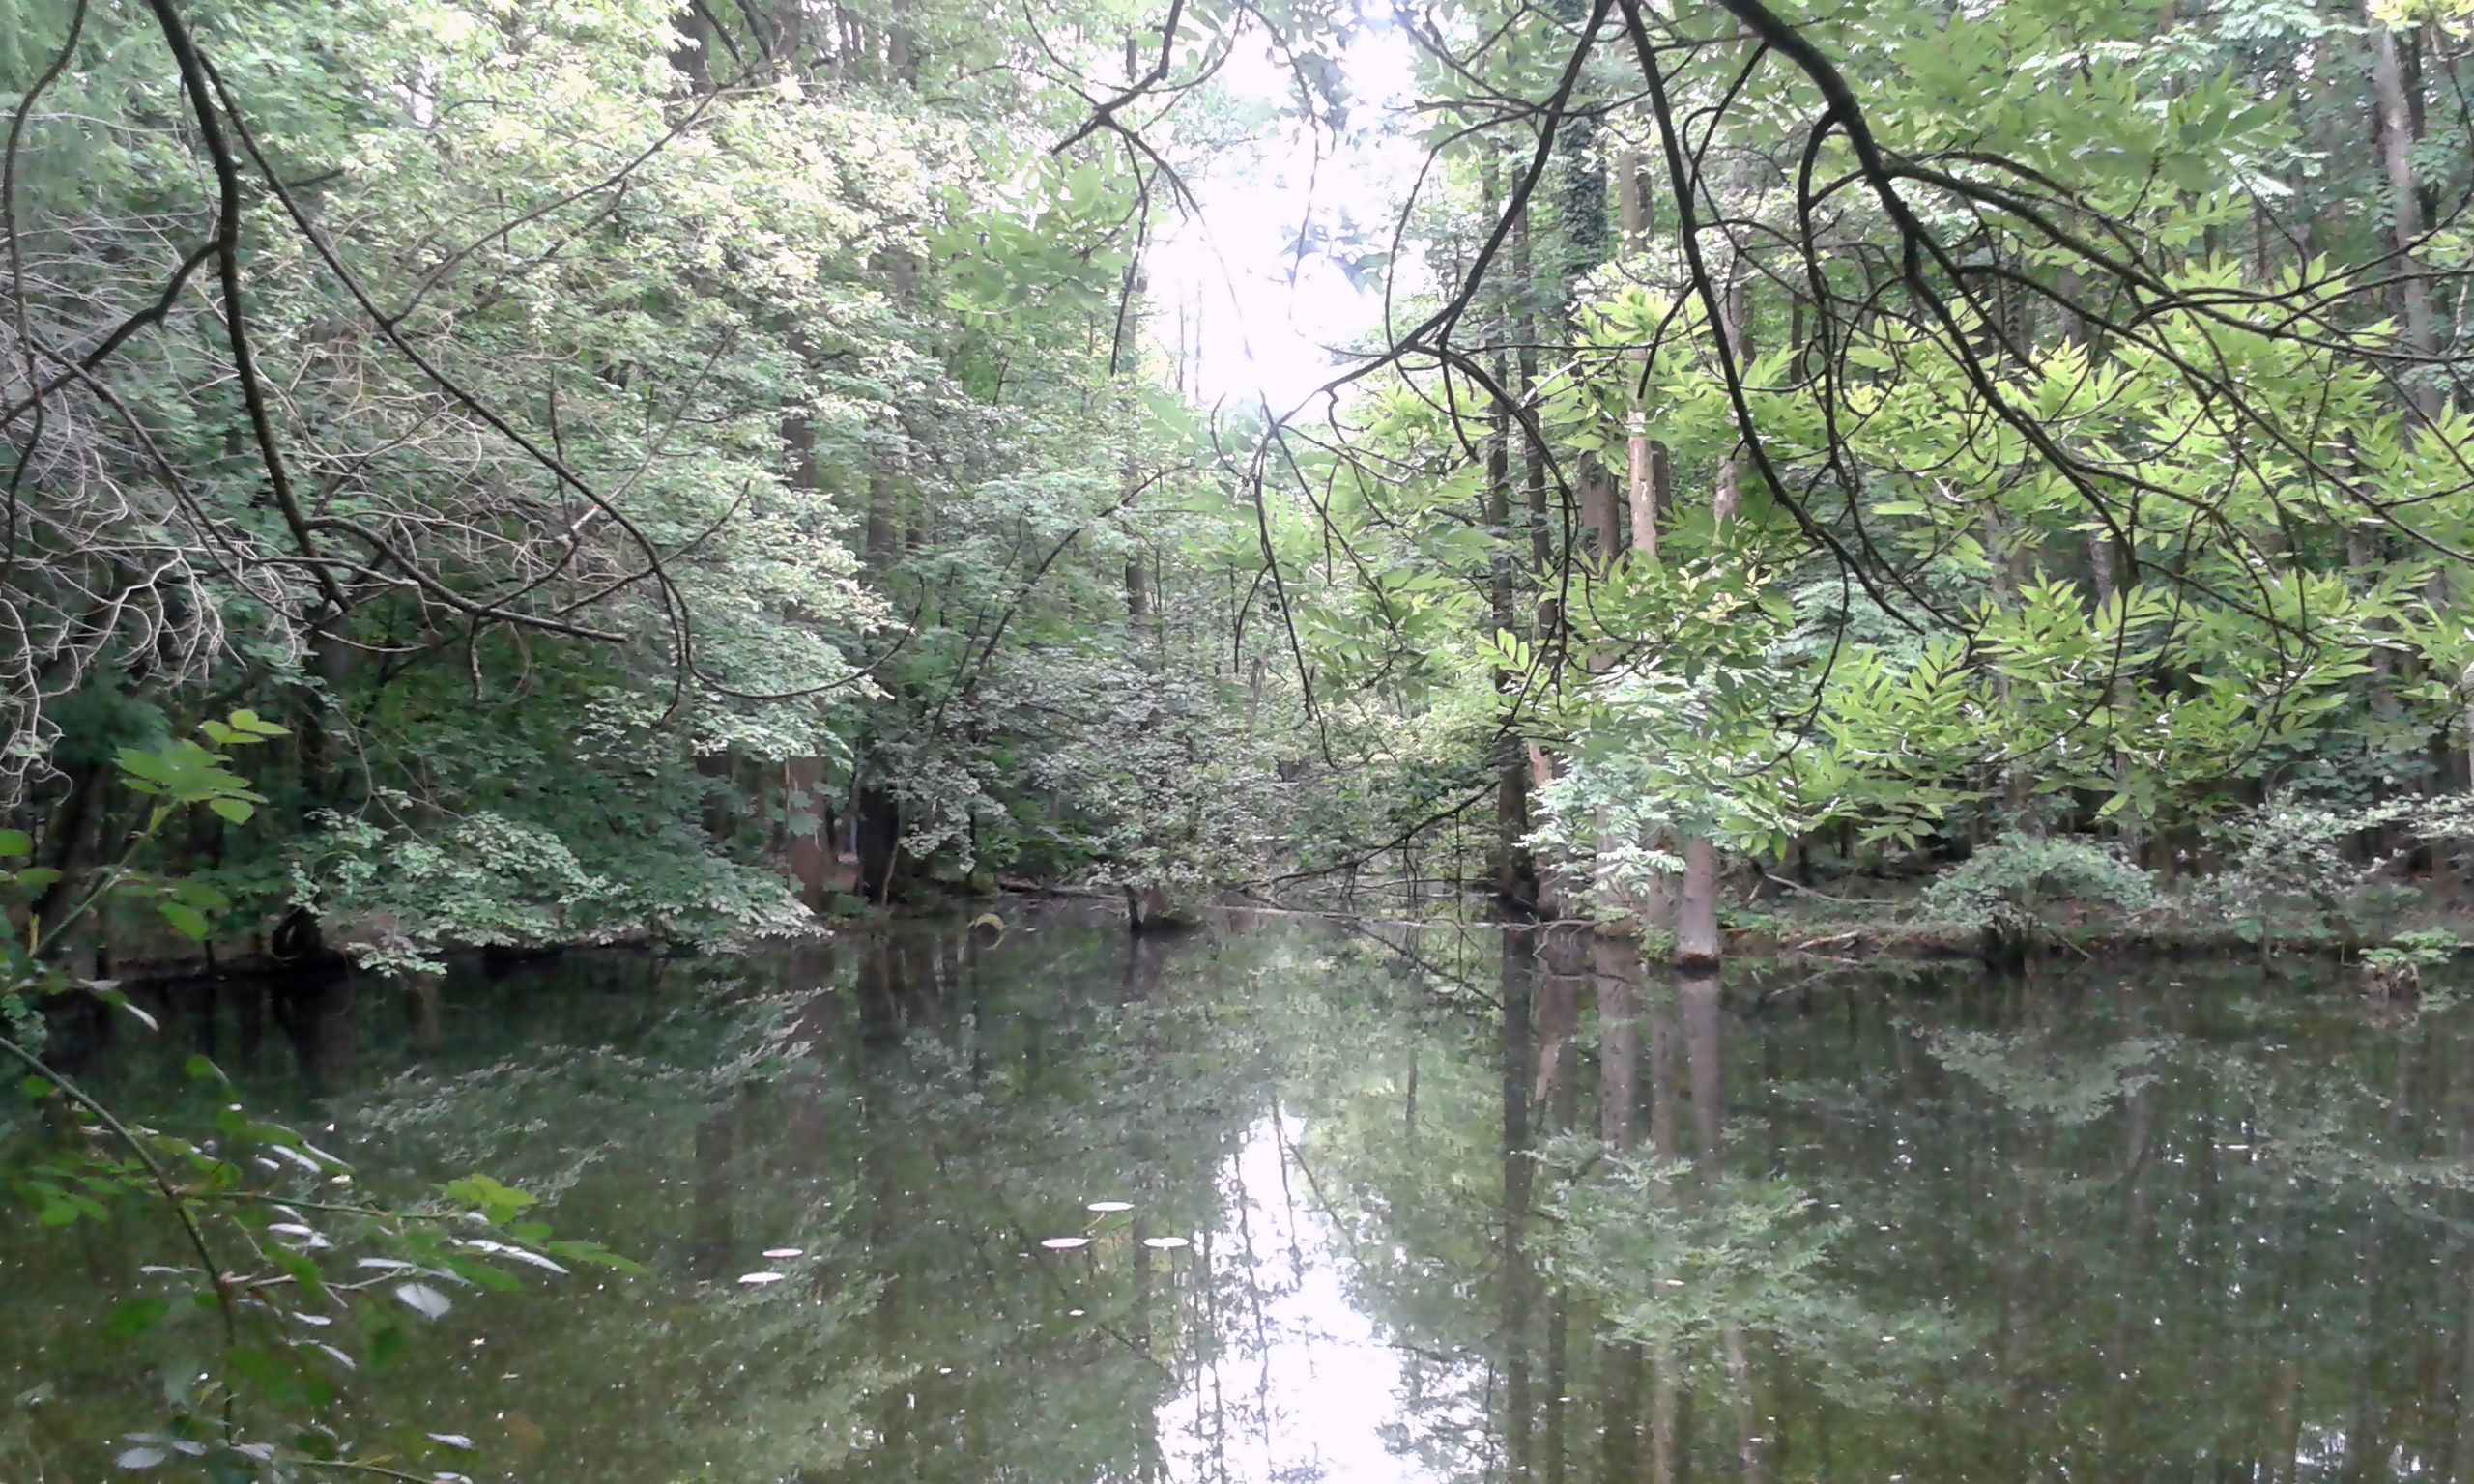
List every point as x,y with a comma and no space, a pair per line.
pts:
913,1119
1576,1224
1970,1232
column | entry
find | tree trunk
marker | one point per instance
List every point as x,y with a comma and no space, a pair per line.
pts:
1514,875
1697,944
1735,329
2398,137
809,854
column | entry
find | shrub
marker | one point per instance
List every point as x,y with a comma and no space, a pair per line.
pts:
2007,890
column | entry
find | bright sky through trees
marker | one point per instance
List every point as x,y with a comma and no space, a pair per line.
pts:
1255,315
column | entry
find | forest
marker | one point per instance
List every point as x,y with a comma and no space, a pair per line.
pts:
1669,486
664,472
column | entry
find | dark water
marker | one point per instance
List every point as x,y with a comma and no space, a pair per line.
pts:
1484,1208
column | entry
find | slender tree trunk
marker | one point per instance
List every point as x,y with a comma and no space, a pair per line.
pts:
1546,890
1697,943
1514,875
1648,482
2398,133
1734,329
809,854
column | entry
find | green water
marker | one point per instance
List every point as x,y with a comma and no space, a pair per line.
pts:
1444,1205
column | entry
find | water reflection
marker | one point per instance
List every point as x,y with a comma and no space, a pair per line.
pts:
1286,1202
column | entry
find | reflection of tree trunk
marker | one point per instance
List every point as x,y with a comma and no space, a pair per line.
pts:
1519,959
1558,1092
879,993
883,985
1697,998
422,1009
716,1138
2285,1420
2123,1395
1618,968
2461,1454
1664,1142
1619,1041
1558,1012
2463,1459
314,1012
1704,1047
1558,1329
1147,956
2364,1447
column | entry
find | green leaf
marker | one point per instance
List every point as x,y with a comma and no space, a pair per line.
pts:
186,920
16,843
237,810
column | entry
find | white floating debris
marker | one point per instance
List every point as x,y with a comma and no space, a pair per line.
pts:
1065,1243
1165,1243
759,1278
1106,1206
786,1252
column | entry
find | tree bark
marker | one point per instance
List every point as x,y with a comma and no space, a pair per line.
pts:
1697,944
809,854
2398,137
1514,875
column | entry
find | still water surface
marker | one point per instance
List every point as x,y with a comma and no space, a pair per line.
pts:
1282,1202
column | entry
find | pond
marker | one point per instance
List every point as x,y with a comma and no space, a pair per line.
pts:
1288,1200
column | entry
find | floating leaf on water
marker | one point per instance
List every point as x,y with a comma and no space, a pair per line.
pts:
780,1252
759,1278
1065,1243
423,1300
1165,1243
1107,1207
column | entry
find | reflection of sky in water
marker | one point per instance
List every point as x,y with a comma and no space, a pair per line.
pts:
1302,1386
